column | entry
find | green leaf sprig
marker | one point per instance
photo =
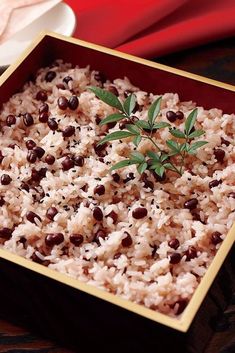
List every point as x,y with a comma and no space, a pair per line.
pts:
156,160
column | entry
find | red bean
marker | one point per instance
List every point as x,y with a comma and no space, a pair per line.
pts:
73,102
67,163
31,217
66,79
84,187
97,213
49,159
41,96
97,119
62,103
174,243
191,204
42,172
28,119
31,156
51,213
123,123
35,175
216,238
30,144
100,149
127,241
10,120
79,161
224,142
6,179
139,212
25,186
39,151
52,124
101,233
179,115
6,233
129,176
114,216
43,117
99,189
36,259
171,116
76,239
44,108
54,239
68,131
60,86
50,75
214,183
116,177
191,253
113,90
175,258
219,155
117,255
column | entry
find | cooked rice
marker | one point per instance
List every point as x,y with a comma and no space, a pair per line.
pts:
141,272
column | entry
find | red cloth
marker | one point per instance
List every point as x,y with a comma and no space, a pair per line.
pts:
150,28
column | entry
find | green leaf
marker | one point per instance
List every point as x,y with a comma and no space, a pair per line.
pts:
159,169
154,111
111,118
173,153
195,146
143,124
136,140
183,147
161,125
153,156
122,164
154,165
190,121
142,167
196,133
169,166
107,97
133,129
139,157
164,156
129,104
177,133
173,145
117,135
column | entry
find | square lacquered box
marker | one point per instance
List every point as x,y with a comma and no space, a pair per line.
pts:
90,301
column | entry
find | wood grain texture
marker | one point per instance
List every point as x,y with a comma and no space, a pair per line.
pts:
16,339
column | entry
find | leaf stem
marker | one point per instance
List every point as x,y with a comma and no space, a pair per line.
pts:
153,142
176,169
183,155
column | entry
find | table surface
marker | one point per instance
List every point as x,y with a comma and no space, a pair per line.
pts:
217,61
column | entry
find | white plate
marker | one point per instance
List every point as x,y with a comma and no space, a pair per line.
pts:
60,19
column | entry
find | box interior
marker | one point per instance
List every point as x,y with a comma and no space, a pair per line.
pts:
152,79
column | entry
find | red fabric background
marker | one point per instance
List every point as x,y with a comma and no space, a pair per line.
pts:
150,28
